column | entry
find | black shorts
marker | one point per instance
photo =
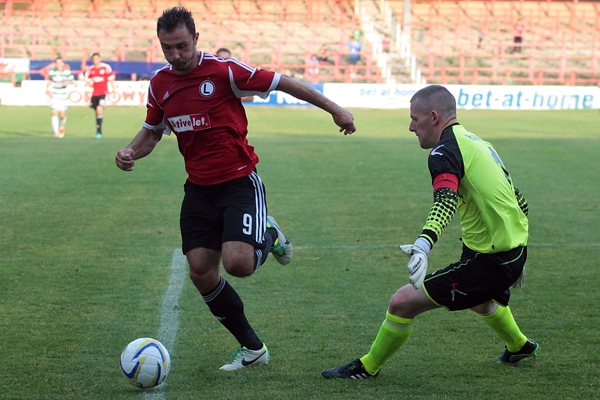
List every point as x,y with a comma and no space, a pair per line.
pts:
98,101
229,211
476,279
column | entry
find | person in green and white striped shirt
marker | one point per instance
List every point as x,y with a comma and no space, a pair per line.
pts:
59,78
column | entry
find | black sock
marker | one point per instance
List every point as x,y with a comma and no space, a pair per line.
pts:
99,123
262,254
226,305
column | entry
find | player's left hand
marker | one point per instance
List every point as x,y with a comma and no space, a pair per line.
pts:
417,265
345,120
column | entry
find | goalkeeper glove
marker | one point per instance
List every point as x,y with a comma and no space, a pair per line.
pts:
520,282
417,265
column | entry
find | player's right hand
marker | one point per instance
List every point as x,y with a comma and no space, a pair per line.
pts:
124,159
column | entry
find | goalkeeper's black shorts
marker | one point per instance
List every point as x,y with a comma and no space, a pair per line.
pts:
476,279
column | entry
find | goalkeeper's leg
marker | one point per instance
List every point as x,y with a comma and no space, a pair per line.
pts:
394,332
501,320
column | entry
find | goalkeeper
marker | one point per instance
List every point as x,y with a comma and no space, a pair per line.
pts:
467,176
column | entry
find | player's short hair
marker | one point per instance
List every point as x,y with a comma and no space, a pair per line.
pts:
96,54
173,17
436,97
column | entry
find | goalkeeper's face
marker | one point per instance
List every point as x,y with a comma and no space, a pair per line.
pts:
179,48
422,123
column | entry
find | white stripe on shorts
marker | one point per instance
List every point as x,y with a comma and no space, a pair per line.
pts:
261,207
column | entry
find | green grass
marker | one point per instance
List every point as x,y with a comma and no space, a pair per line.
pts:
85,253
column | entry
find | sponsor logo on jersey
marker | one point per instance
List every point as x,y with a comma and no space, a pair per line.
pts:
193,122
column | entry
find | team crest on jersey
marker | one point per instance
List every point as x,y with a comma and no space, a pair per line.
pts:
207,88
193,122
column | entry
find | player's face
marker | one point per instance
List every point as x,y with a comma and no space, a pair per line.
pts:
59,64
96,60
422,124
179,48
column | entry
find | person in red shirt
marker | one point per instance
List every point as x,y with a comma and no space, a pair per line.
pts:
100,76
224,212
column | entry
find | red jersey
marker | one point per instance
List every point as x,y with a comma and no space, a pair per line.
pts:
204,110
99,76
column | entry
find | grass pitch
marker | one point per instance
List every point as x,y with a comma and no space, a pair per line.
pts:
86,249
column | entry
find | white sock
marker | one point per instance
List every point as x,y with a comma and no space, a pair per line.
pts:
63,122
55,124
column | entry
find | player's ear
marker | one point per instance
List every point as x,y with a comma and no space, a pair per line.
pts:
196,36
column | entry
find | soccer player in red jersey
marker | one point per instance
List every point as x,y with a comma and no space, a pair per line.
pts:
224,212
100,76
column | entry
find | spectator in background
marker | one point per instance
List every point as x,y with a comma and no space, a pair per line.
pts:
358,34
354,55
59,77
518,36
479,38
312,64
385,44
101,78
323,56
133,77
225,53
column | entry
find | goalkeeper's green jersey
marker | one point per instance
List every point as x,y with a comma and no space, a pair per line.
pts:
492,220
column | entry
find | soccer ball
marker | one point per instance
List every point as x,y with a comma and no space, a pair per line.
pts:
145,362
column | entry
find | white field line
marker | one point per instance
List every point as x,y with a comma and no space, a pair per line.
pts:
169,314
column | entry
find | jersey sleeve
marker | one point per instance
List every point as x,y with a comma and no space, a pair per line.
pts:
448,162
523,205
154,113
447,169
445,204
111,74
248,81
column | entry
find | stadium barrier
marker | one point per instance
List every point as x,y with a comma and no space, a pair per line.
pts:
385,96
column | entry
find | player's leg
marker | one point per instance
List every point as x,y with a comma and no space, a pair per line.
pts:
54,122
202,232
63,122
249,235
223,301
501,320
506,266
99,119
404,306
394,332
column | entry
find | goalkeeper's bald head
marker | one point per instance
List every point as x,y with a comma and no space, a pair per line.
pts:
435,97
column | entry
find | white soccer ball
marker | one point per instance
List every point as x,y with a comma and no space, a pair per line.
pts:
145,362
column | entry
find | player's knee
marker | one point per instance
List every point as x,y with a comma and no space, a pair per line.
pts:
401,303
238,266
